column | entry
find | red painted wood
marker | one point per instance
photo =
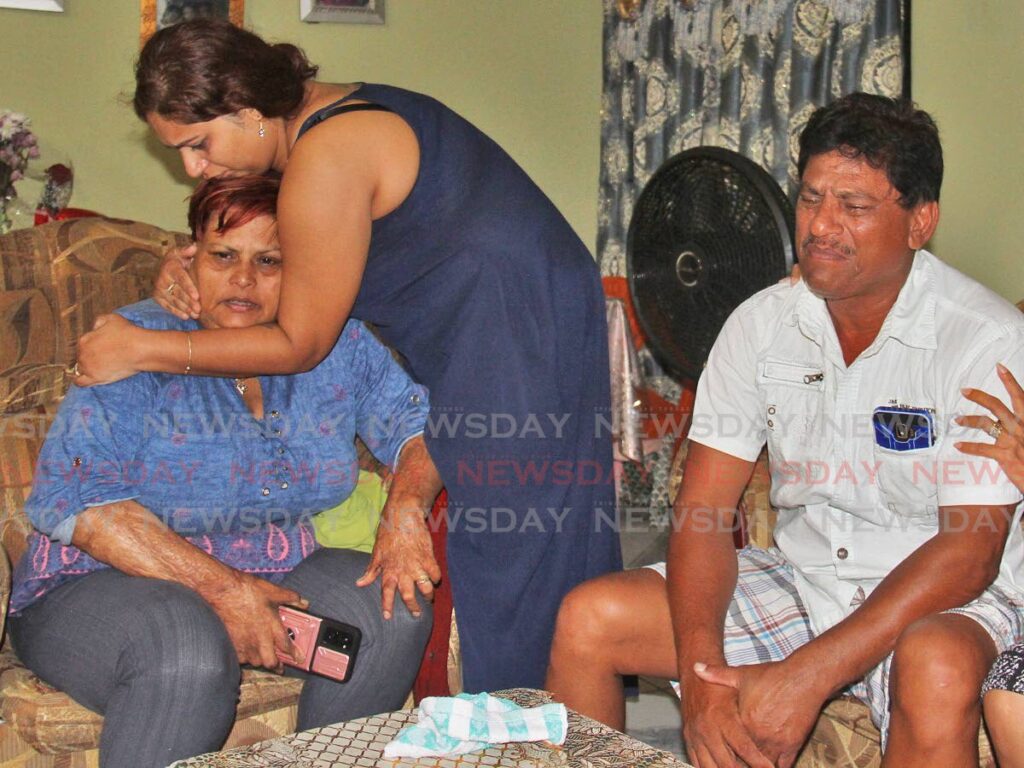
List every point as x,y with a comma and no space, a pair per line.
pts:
42,217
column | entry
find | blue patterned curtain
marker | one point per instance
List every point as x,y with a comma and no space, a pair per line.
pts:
740,74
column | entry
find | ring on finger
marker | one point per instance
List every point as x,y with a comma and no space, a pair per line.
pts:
423,579
996,429
169,290
75,370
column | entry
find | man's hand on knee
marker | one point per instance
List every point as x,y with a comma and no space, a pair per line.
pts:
776,705
714,734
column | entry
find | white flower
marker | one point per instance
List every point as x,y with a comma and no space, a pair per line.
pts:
12,122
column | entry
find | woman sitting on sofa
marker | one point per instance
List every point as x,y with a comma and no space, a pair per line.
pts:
172,516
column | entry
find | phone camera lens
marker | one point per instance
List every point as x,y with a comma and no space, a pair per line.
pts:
338,638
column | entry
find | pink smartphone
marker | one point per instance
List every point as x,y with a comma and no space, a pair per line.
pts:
327,647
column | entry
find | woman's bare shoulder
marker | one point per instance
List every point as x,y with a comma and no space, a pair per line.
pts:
375,150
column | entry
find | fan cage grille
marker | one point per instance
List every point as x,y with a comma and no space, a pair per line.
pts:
735,221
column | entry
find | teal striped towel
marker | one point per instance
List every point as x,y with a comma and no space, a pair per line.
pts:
466,723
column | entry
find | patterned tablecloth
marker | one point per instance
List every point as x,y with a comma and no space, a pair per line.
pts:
589,744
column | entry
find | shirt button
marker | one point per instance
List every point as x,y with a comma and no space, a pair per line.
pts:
842,553
275,415
277,432
280,451
284,486
265,491
415,399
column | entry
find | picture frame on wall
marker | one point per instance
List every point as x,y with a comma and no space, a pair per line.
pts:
342,11
157,14
34,5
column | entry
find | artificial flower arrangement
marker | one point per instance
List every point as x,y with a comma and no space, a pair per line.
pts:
18,145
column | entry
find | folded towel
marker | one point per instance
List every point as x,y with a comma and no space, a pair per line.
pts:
465,723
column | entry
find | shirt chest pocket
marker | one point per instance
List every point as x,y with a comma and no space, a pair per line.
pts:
908,480
793,397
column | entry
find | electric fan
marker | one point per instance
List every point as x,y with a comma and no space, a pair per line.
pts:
710,229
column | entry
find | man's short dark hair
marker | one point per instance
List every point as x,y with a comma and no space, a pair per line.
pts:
890,134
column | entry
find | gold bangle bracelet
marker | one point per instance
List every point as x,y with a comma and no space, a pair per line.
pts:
188,365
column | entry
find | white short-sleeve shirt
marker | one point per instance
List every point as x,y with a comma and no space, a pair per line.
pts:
851,506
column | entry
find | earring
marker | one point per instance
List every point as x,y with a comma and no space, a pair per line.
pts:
261,132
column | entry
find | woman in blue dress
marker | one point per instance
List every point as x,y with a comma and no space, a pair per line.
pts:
397,211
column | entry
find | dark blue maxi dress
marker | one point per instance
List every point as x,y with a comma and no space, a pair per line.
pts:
497,305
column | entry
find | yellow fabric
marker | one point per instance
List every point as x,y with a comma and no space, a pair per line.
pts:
353,523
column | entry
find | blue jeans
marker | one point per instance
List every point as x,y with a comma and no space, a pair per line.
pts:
154,659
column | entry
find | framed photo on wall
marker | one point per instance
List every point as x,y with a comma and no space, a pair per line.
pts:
157,14
34,5
345,11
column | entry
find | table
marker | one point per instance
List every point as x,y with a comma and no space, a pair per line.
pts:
360,743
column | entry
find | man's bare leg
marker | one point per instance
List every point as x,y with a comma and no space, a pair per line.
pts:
939,665
611,626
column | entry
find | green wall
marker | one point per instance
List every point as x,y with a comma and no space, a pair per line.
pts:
968,66
529,73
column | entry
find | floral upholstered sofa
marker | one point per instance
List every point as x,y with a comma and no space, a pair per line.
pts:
844,736
54,281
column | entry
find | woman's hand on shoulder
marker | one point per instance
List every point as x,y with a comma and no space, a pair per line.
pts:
249,609
174,289
1008,448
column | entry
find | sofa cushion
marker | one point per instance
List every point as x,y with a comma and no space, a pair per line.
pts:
51,722
844,735
54,281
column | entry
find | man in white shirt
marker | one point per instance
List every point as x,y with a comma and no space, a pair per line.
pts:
893,579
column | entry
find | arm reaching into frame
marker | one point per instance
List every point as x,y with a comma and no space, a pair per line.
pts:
1007,427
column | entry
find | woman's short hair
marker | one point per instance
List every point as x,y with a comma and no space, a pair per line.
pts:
226,202
199,70
890,134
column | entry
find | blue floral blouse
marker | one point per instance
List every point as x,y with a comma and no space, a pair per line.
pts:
241,489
